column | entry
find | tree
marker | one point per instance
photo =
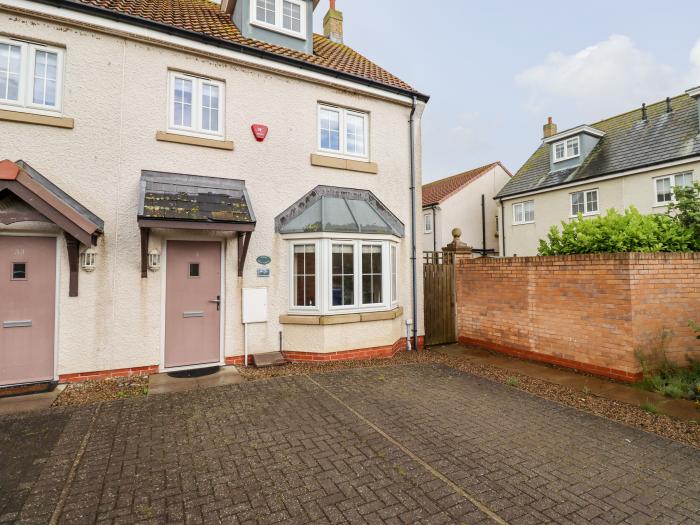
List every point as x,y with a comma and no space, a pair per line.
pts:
615,232
686,210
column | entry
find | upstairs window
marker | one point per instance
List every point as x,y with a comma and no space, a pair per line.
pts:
30,75
196,105
427,223
664,186
524,212
584,202
285,16
567,149
343,131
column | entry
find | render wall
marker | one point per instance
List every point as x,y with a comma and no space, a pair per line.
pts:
589,312
116,90
553,207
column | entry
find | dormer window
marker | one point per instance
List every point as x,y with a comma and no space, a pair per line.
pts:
283,16
567,149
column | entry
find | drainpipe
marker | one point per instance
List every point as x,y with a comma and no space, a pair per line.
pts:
434,231
414,265
503,227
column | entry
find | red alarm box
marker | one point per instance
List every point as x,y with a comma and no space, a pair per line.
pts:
259,131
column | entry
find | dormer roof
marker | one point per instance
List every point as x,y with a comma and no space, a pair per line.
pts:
572,133
629,142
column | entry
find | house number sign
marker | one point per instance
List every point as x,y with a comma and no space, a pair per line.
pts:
264,260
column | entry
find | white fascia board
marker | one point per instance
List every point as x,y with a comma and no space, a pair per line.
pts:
594,180
574,131
141,33
694,92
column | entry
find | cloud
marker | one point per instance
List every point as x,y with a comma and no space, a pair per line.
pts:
606,78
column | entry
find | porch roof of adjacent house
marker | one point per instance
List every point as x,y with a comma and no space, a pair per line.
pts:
190,198
440,190
203,18
629,143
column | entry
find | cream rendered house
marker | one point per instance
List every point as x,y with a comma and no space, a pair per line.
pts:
187,181
456,202
633,159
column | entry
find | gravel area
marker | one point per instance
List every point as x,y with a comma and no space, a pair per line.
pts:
77,394
682,431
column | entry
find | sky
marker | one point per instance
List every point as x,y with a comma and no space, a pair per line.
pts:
495,70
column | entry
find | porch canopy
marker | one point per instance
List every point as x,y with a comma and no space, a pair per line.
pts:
26,195
193,202
339,210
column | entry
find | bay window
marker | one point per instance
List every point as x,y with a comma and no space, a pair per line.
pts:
196,105
343,131
30,76
330,276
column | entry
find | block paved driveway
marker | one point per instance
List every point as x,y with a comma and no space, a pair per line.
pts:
401,444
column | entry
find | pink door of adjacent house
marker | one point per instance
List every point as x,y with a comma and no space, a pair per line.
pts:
192,309
27,309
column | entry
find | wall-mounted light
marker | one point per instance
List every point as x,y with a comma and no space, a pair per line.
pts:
88,260
154,260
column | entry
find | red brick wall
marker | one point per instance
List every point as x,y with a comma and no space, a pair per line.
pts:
584,311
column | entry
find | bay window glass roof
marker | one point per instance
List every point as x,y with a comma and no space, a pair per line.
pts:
339,210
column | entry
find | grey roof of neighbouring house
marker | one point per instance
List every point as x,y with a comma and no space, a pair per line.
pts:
174,196
339,210
629,143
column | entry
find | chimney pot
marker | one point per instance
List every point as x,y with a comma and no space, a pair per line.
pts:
333,24
550,128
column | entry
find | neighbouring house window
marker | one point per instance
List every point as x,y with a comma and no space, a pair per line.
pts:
196,105
305,275
30,75
584,202
343,276
394,274
194,269
286,16
524,212
19,271
664,186
428,223
566,149
343,131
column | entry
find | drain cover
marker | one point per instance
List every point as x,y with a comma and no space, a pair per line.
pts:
199,372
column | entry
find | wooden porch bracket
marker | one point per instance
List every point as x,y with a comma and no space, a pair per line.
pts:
73,248
243,242
145,235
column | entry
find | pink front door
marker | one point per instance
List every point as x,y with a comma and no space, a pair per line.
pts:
27,309
192,312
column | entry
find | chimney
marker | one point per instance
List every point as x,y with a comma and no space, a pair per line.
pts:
550,128
333,24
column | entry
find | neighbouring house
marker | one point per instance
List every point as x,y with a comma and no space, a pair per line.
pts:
188,181
456,202
633,159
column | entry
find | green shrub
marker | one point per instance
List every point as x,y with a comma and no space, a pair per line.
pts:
686,210
615,232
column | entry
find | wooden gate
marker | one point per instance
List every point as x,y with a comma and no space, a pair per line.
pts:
440,302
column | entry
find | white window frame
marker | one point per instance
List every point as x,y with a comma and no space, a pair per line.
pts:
566,142
586,212
521,206
196,130
394,274
428,218
672,177
279,13
342,114
324,276
25,103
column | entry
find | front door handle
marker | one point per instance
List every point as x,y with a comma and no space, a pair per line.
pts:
217,301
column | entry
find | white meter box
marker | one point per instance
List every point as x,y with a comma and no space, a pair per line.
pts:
254,305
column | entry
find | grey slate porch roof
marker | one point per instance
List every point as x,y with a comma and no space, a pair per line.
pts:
629,143
339,210
193,198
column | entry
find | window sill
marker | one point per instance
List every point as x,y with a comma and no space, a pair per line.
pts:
341,163
523,223
164,136
36,118
341,319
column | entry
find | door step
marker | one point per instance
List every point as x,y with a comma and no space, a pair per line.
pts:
269,359
31,388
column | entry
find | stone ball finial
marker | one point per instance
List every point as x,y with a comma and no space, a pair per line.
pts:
456,233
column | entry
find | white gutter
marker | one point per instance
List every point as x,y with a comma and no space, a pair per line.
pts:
593,180
96,23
